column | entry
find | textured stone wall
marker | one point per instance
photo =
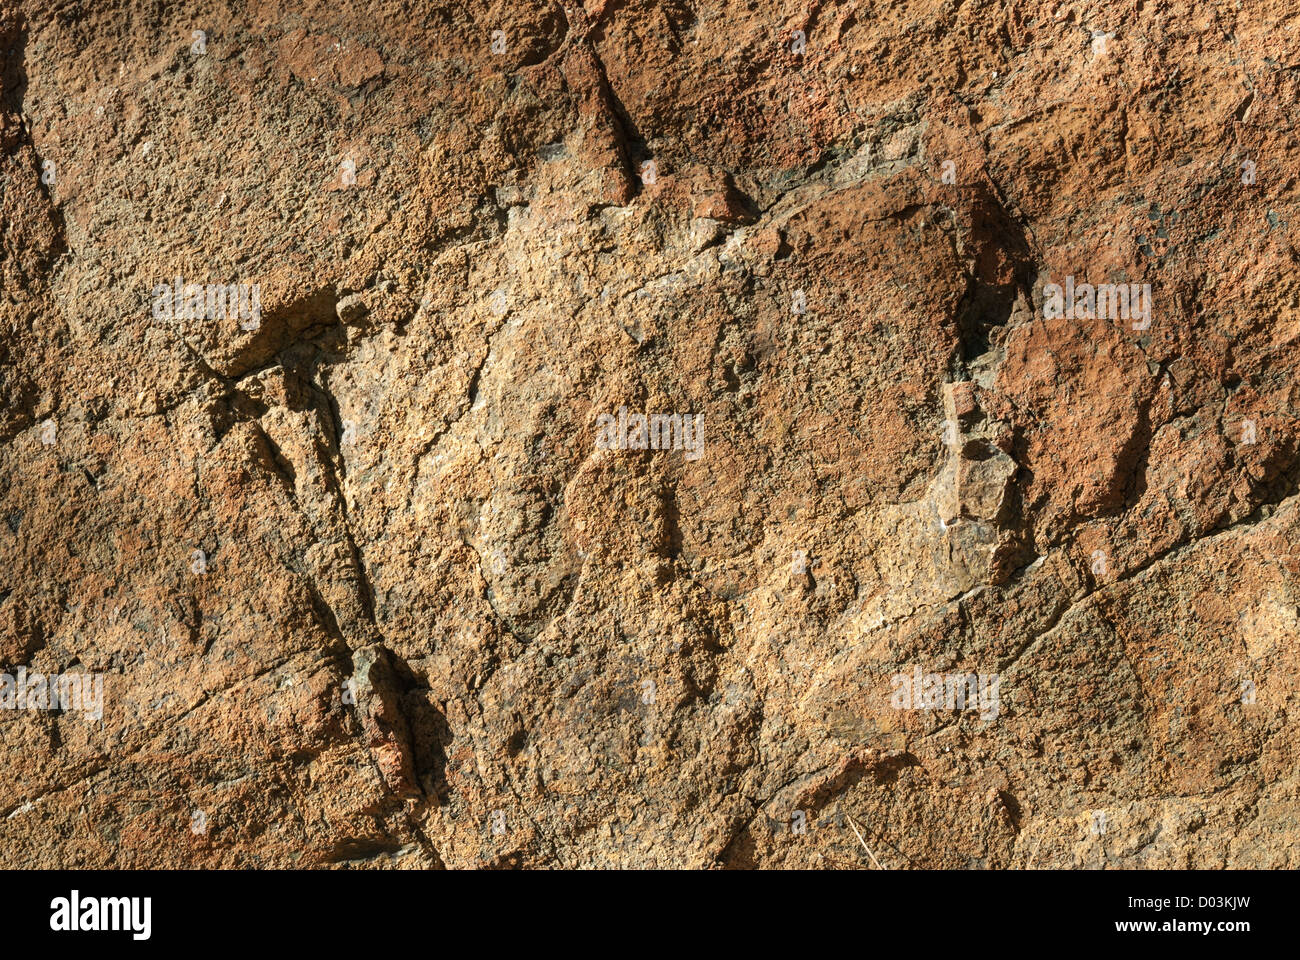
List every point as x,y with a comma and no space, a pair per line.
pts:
681,434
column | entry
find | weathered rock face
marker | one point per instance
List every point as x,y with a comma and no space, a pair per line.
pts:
381,563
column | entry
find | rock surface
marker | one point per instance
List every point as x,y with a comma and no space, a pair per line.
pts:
372,573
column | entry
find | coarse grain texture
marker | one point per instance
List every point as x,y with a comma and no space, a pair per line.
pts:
433,621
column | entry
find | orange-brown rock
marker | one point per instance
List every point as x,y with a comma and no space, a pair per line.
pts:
651,415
